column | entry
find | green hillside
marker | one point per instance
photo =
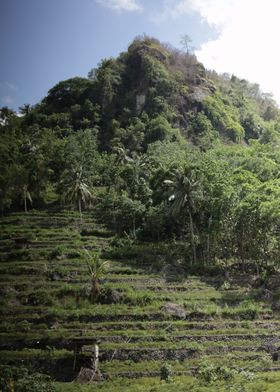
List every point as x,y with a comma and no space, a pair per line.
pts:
146,318
141,212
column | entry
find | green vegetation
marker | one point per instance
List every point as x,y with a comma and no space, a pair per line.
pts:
160,149
96,269
140,210
225,332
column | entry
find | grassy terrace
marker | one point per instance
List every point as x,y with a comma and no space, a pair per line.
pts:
45,308
262,383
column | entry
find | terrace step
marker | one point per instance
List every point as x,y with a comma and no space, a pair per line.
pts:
175,373
160,354
8,343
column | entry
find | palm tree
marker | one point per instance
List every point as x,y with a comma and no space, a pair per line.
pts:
138,165
184,192
76,188
138,188
122,156
25,109
26,196
96,269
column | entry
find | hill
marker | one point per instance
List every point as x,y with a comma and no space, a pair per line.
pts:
140,212
162,148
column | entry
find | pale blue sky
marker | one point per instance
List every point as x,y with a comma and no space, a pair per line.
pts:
46,41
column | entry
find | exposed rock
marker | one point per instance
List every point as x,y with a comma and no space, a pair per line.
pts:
271,346
55,276
199,94
174,310
276,306
140,102
87,375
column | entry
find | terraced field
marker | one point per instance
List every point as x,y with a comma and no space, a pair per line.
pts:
145,320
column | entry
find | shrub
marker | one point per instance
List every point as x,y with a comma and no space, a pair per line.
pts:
209,373
36,383
40,298
19,380
225,285
24,326
120,242
246,324
57,252
139,299
166,372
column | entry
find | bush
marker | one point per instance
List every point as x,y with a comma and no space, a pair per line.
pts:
40,298
121,242
166,372
138,299
19,380
24,326
225,285
57,252
209,373
35,383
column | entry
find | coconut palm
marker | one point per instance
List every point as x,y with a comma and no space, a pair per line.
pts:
25,196
96,269
122,156
25,109
184,193
76,188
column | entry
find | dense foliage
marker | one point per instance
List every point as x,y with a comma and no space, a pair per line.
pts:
161,148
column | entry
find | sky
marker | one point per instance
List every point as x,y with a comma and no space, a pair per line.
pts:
46,41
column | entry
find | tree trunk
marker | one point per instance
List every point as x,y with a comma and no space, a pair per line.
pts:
80,207
95,290
133,226
257,269
208,249
242,250
208,240
192,239
25,202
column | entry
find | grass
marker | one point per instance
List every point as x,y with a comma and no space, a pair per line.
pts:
168,344
258,362
43,298
265,382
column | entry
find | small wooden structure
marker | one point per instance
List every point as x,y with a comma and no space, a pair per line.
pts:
91,372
